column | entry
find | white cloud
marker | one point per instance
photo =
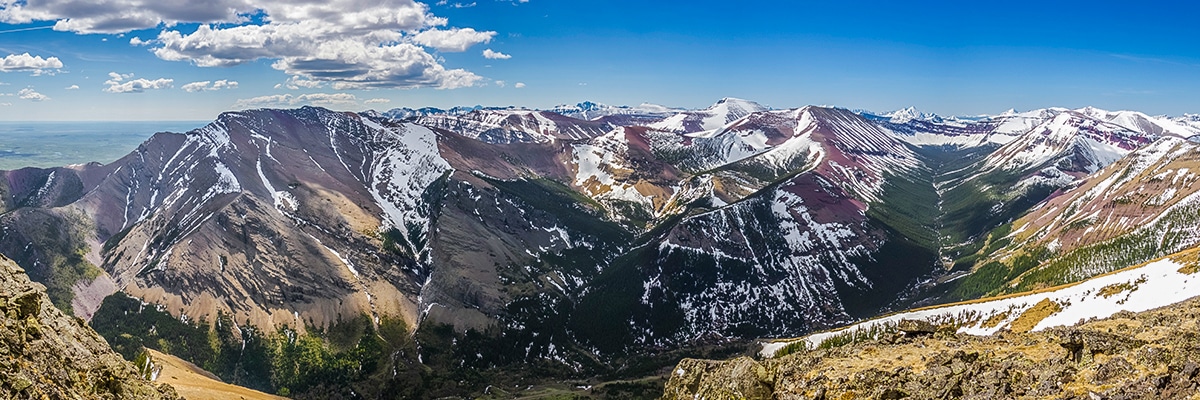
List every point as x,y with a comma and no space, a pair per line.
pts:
501,83
357,44
377,101
72,87
195,86
29,94
453,40
519,85
203,86
284,100
297,82
26,62
495,55
5,104
121,83
119,16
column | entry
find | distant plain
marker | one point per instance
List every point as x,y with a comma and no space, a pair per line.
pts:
56,144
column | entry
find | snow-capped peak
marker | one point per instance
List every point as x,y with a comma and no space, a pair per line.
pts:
1141,122
733,104
588,110
910,113
718,115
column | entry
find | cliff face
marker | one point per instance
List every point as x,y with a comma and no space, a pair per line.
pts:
1153,354
47,354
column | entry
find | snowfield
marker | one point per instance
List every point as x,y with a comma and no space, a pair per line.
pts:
1153,285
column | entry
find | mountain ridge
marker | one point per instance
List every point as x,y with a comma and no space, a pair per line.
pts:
510,224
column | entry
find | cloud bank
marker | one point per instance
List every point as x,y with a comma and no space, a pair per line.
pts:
349,44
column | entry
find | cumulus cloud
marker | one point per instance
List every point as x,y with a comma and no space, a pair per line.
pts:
122,83
285,100
204,86
377,101
29,94
453,40
119,16
519,85
26,62
346,43
297,82
72,87
495,55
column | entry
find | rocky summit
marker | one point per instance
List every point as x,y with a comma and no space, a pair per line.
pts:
1149,355
45,354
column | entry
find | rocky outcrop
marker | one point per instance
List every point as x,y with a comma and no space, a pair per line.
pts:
47,354
1154,354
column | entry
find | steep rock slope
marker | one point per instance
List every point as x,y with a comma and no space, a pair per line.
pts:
1139,208
799,230
48,354
1057,149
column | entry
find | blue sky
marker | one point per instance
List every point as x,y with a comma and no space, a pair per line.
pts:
951,58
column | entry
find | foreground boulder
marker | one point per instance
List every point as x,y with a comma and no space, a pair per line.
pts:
47,354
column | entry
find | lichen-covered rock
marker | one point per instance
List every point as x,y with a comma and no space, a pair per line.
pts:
740,378
916,327
45,354
1149,355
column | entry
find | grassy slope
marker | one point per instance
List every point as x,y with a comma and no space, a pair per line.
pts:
194,383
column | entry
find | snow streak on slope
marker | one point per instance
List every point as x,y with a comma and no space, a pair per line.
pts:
1157,284
591,111
1139,208
725,111
745,138
792,247
848,149
1073,141
1017,123
860,155
197,158
599,166
406,165
1159,126
515,126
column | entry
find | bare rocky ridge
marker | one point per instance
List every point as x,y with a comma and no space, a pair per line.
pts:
47,354
1153,354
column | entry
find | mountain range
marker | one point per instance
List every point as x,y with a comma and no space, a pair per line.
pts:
589,237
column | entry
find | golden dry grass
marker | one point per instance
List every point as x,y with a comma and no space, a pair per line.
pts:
1115,289
193,383
1190,261
1030,318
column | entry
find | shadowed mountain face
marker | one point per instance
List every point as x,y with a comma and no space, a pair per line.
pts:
566,238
